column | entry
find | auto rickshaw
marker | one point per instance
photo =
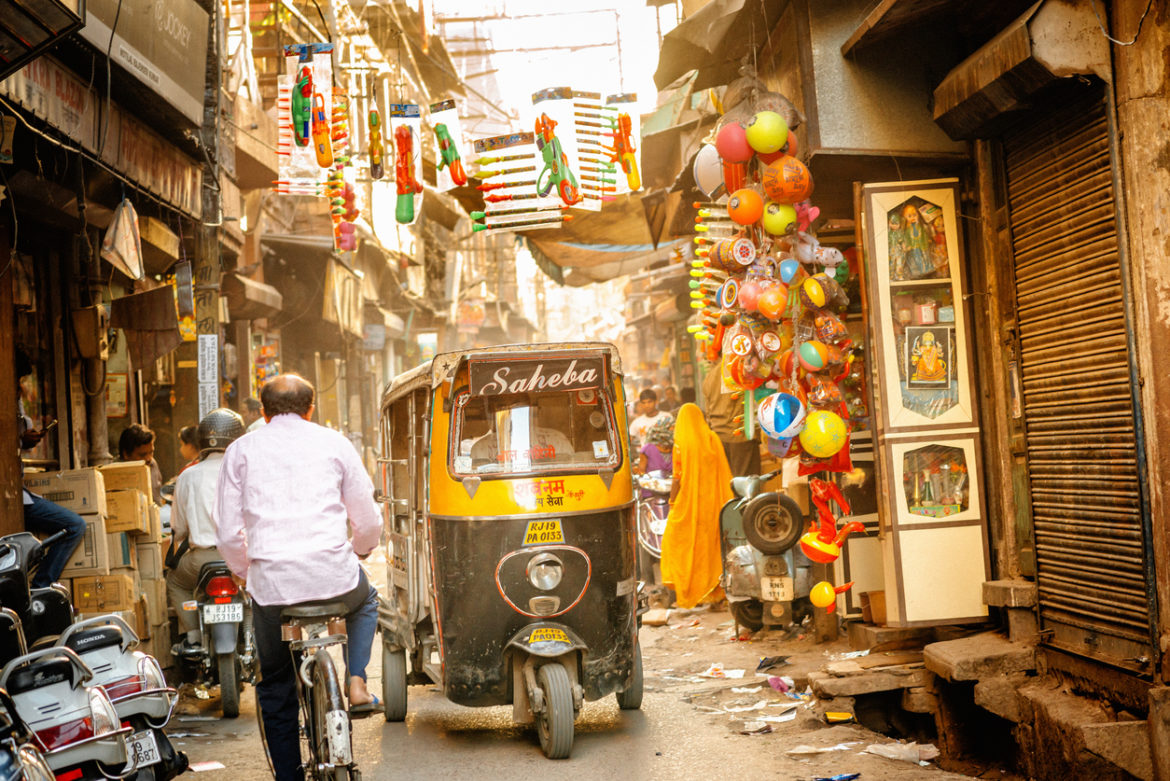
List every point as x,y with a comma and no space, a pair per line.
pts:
510,535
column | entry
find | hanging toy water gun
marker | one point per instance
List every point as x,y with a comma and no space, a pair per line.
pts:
322,144
449,155
339,132
302,106
376,147
623,150
404,174
556,165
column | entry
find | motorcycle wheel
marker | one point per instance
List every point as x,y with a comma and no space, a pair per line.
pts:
772,523
229,684
748,613
554,725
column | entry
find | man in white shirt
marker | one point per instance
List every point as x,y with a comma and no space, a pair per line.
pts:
253,414
290,494
191,517
650,414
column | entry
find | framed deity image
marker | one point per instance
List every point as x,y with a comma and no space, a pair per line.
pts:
927,362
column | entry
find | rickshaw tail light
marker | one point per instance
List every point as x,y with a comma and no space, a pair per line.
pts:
544,606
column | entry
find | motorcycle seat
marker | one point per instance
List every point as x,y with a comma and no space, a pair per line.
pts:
315,610
39,674
98,637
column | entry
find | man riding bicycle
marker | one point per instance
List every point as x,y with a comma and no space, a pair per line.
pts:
290,493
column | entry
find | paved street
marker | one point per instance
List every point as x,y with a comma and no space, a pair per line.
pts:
682,731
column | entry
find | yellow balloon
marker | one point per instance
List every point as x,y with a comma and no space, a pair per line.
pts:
824,434
822,594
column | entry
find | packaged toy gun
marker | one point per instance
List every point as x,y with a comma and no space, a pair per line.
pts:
404,174
449,155
302,106
623,150
556,165
322,141
376,147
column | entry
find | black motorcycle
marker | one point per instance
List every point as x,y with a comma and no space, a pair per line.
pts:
44,613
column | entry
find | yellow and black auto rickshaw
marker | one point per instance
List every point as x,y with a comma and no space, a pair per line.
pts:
510,523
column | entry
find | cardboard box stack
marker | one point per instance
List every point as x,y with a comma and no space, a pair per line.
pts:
118,565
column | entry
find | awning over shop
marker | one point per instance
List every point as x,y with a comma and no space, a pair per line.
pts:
342,301
967,17
248,299
150,322
716,40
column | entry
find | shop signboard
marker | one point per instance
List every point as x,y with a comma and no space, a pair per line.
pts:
49,91
163,44
494,377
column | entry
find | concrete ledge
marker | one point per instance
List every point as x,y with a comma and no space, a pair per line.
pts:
998,695
1009,593
863,637
1124,743
826,685
1052,735
977,657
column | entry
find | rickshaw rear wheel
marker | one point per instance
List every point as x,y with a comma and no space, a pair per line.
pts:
394,683
631,697
554,725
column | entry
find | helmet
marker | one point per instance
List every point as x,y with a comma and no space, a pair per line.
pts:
218,429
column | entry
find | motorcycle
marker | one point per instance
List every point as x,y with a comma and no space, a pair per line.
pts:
19,756
137,688
653,509
44,613
227,653
763,570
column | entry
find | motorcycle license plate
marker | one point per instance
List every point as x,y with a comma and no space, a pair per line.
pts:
143,747
219,614
776,589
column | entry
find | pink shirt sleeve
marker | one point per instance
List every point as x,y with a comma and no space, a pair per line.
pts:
357,494
230,537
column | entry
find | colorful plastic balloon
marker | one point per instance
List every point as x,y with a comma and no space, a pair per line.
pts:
767,132
789,268
812,293
732,143
778,218
745,207
787,180
789,148
822,594
824,434
707,170
773,301
813,355
778,412
749,295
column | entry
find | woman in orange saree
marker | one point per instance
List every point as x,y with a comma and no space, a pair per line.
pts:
691,560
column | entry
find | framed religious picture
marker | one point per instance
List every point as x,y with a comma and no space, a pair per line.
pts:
927,360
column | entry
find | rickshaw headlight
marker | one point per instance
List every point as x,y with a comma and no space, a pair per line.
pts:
545,571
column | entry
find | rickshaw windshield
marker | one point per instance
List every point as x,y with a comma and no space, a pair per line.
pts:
524,433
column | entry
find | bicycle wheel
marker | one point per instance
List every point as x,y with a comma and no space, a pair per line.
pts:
329,733
263,736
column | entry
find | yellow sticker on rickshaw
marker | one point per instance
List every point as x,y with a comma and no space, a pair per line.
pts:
543,532
547,635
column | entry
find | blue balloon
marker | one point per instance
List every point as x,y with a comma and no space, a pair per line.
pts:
788,269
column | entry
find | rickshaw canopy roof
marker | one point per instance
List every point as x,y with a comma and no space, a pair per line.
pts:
445,366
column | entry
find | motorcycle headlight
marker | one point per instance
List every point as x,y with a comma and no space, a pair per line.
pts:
151,672
105,718
34,765
545,571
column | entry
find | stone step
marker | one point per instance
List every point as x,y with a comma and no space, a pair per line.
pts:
847,683
979,656
863,637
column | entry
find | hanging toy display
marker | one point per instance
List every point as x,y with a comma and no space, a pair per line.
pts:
822,542
824,595
556,172
322,145
407,186
377,146
449,155
302,106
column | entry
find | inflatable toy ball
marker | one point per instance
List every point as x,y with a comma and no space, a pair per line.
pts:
822,594
707,170
749,295
789,268
823,435
773,301
732,143
745,207
778,218
813,356
813,294
789,148
767,132
778,413
787,180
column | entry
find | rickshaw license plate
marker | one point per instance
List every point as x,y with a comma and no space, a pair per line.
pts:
143,747
221,614
543,532
776,589
547,634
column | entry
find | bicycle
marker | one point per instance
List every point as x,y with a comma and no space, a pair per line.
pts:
311,631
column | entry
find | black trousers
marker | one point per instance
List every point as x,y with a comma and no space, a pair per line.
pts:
277,690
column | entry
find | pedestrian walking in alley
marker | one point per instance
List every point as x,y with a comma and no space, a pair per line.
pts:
649,415
691,561
290,494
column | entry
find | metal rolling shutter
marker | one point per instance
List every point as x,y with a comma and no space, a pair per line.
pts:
1078,410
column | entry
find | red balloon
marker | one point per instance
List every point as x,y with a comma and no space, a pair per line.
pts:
732,145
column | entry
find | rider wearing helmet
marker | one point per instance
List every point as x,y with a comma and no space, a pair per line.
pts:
191,517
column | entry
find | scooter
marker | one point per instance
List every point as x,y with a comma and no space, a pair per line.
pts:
19,756
137,688
652,514
44,612
75,725
228,653
762,570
